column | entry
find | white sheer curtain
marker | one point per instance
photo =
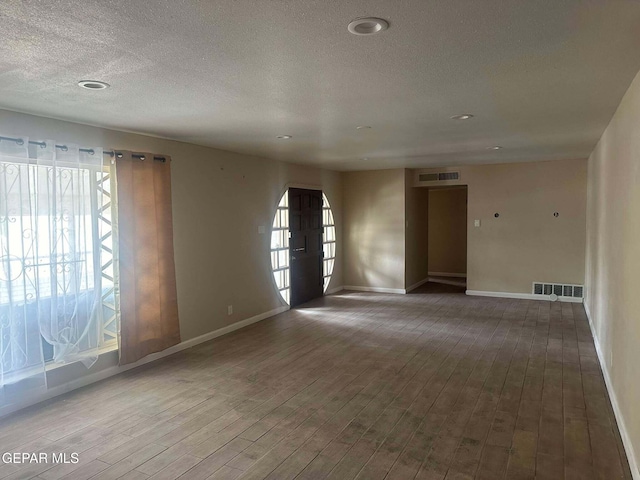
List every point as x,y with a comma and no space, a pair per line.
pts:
54,206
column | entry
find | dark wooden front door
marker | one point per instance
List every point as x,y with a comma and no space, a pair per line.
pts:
305,244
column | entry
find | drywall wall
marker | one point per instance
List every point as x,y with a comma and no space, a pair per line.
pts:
506,254
613,263
219,201
374,223
448,230
416,234
525,243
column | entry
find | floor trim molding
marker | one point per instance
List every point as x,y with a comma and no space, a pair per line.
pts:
626,440
446,274
116,369
523,296
375,289
416,285
334,290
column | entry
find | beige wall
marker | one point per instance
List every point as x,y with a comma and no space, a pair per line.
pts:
448,230
374,223
526,243
416,233
219,200
613,262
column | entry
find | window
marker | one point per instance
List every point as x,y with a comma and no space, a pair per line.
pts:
328,241
280,246
57,270
104,220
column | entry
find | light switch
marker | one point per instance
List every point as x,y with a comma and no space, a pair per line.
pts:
261,229
476,223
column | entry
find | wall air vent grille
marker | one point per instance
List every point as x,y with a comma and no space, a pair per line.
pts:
438,177
561,290
448,176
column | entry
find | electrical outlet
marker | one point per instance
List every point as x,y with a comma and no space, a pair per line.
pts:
476,223
261,229
229,309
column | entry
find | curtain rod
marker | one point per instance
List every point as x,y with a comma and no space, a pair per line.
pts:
90,151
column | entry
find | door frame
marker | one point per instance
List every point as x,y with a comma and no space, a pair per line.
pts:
285,190
464,186
305,286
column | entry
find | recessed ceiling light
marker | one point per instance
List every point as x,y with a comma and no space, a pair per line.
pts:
367,26
462,116
363,127
284,137
495,147
93,84
365,158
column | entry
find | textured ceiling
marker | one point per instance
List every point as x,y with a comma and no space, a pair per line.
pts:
542,77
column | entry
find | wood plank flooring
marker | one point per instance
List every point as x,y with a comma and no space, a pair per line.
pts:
430,385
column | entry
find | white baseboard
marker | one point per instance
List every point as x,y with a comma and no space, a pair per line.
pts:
445,274
375,289
416,285
624,433
219,332
523,296
334,290
116,369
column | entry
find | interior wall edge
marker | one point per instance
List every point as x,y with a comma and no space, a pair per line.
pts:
416,285
622,426
612,257
334,290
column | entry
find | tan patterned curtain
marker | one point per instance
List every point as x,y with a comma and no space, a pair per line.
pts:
148,300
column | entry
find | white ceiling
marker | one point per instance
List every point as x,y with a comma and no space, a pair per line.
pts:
542,77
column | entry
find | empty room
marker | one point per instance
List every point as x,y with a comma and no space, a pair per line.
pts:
314,239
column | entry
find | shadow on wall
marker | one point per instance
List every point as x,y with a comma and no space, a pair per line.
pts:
378,234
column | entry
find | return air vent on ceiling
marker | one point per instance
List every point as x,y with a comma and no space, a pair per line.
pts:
563,291
438,177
